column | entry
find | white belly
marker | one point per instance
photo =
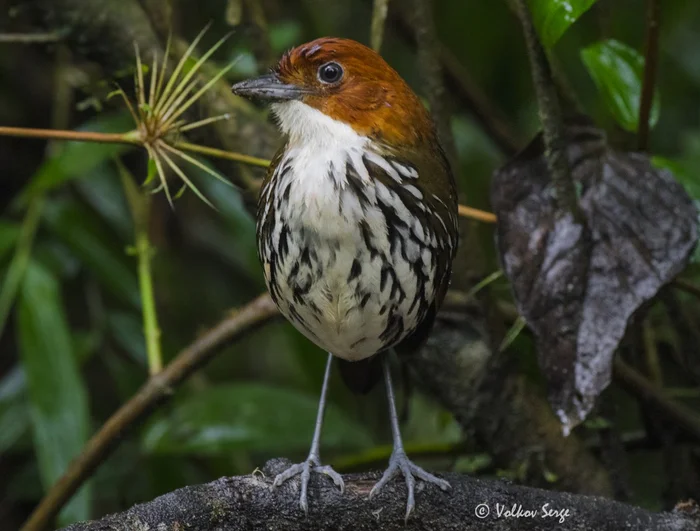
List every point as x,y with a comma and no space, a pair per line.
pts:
349,282
343,300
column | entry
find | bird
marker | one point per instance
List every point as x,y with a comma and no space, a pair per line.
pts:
356,223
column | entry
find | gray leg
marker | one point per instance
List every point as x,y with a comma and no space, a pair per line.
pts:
313,461
399,461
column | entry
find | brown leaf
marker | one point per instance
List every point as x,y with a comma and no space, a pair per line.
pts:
578,284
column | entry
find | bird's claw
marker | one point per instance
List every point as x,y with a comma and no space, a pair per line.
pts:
312,464
399,462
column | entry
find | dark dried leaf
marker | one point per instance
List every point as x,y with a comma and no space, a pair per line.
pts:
577,285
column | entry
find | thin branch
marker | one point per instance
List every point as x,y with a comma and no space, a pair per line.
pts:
131,137
378,455
379,12
157,389
637,385
651,58
686,286
221,154
479,215
550,115
30,38
250,503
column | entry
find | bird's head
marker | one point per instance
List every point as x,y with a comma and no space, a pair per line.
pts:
347,82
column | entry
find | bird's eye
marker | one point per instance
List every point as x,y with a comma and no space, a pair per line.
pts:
330,73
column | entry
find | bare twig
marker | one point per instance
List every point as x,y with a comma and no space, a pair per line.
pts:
250,503
686,286
379,12
157,389
30,38
636,384
550,115
378,455
222,154
78,136
479,215
651,57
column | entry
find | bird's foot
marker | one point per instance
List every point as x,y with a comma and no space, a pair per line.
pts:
399,462
312,464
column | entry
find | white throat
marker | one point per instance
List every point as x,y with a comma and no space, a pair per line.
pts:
317,155
307,126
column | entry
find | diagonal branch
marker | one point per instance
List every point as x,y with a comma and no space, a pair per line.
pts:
157,389
249,503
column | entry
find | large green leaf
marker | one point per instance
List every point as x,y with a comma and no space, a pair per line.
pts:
94,245
253,417
76,159
553,17
57,396
617,71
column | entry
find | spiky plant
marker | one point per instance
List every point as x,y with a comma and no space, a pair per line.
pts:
159,114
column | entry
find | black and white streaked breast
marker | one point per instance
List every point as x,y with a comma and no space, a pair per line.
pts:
354,251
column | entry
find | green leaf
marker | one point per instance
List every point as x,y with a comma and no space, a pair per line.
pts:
14,416
77,159
92,242
553,17
617,71
252,417
15,272
58,399
9,233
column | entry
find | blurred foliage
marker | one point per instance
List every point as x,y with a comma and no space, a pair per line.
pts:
73,345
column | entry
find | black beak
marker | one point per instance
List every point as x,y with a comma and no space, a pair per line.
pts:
268,87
